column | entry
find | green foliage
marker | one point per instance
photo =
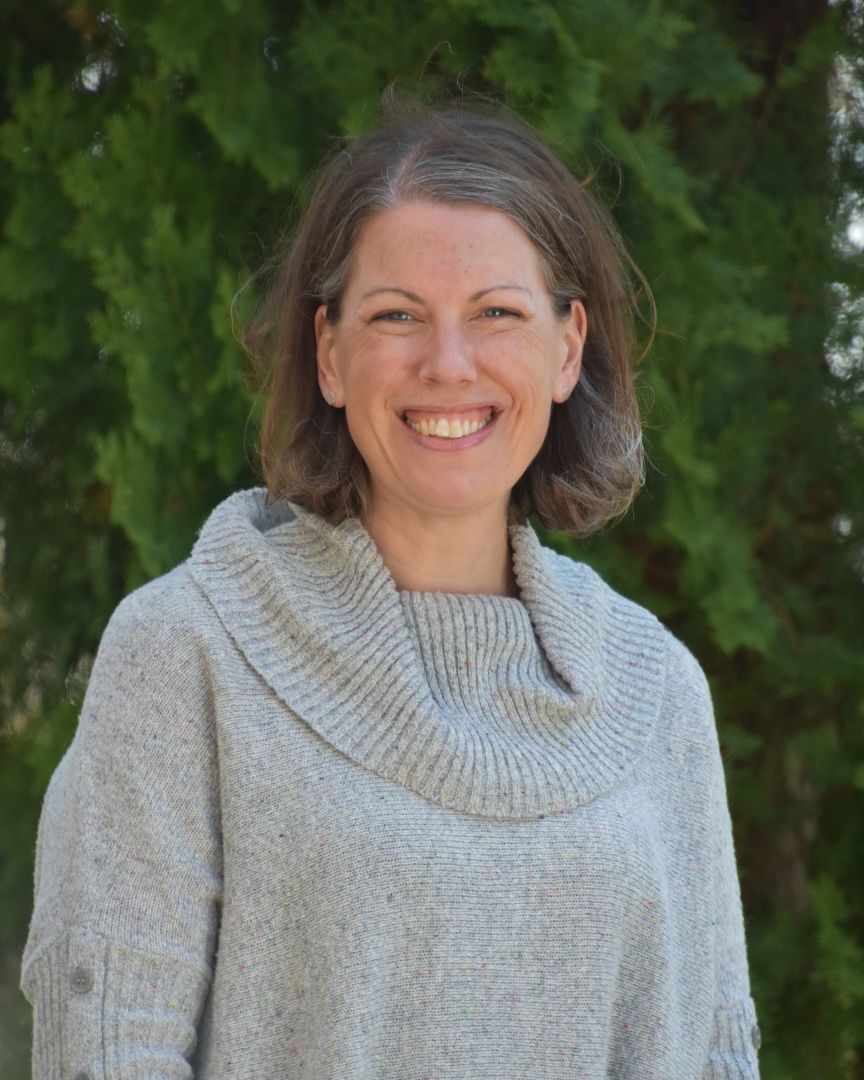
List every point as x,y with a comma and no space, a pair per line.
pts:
148,156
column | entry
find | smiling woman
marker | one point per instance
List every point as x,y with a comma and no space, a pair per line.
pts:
374,784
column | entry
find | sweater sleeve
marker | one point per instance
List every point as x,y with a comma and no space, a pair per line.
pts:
735,1037
119,955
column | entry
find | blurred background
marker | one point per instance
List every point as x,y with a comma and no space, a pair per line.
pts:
150,153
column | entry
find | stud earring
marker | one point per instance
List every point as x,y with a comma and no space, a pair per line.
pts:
331,397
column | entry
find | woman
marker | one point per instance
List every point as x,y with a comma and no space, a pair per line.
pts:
374,785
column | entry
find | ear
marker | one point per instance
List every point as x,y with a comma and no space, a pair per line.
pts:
328,380
574,330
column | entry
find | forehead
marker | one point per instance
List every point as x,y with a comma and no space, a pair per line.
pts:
459,242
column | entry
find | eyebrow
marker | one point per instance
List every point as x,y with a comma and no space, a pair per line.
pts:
419,300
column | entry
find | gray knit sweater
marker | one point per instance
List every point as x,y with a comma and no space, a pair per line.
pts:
312,827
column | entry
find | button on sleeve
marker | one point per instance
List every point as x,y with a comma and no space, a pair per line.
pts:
81,980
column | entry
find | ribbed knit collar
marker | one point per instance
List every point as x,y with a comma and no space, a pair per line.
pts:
472,646
317,614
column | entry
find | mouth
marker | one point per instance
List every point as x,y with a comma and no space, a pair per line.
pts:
455,424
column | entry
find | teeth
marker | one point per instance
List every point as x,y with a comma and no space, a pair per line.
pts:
447,429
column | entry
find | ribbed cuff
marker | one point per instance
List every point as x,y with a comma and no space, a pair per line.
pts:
103,1009
735,1043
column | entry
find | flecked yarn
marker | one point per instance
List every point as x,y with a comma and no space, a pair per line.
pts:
314,827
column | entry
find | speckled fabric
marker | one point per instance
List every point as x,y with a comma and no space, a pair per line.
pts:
312,827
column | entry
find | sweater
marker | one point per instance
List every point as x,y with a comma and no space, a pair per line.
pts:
310,826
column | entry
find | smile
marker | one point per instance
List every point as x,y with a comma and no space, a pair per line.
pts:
450,426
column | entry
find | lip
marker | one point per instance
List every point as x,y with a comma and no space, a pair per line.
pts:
451,409
450,446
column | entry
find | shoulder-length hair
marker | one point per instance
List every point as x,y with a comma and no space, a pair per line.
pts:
591,464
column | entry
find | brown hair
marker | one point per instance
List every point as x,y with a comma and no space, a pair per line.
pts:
591,463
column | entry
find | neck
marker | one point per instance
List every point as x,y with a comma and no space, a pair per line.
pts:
462,553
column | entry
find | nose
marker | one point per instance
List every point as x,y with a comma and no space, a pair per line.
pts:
447,356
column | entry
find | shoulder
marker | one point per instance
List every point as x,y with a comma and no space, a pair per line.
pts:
582,579
628,629
164,598
174,605
645,658
685,675
161,623
153,677
618,624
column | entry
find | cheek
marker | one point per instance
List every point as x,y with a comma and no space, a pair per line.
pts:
366,374
526,362
371,378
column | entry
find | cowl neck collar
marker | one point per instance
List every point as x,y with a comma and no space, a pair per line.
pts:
317,614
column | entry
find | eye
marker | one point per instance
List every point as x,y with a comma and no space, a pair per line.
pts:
498,313
393,316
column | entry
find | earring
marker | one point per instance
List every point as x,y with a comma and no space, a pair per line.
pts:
331,397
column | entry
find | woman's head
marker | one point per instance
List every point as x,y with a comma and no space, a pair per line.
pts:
587,464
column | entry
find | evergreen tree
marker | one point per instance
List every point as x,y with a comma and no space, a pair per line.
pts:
150,154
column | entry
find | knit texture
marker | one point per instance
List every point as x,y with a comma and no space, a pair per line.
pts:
314,827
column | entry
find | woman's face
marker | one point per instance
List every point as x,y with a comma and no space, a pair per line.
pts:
447,356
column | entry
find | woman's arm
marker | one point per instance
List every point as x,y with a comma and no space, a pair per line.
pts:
119,955
735,1039
735,1034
